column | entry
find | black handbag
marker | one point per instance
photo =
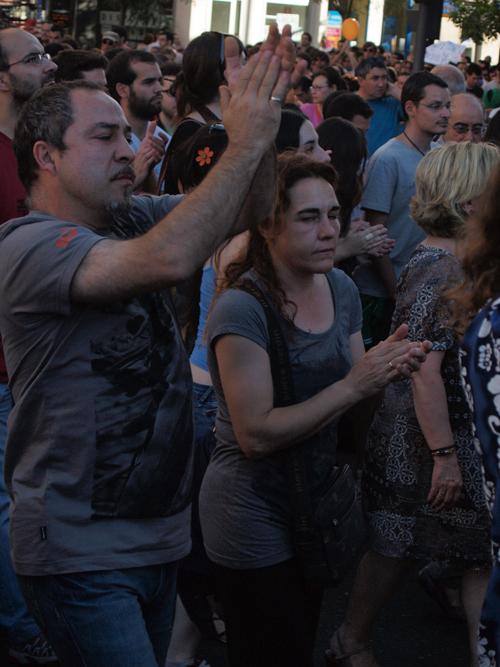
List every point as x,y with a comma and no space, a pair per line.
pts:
328,535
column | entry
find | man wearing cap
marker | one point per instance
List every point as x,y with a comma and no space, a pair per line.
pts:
110,40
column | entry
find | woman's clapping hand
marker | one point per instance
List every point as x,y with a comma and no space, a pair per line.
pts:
390,360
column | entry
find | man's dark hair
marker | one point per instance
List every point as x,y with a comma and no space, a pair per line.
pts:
366,65
55,48
346,105
305,56
473,68
44,117
120,70
115,51
70,42
415,85
121,32
170,69
168,34
72,64
57,27
333,78
319,55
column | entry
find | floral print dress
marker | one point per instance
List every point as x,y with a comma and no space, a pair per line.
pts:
480,361
398,463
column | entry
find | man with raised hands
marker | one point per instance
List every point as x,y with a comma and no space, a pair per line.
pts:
99,453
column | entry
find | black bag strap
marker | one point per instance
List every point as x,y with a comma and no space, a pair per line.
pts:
208,115
284,393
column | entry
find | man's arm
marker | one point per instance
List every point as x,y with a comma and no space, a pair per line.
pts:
182,241
382,265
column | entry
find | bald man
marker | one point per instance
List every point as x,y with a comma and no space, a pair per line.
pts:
453,77
466,122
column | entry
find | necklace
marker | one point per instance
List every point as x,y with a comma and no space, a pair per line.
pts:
413,144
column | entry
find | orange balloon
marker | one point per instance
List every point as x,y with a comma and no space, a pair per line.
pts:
350,29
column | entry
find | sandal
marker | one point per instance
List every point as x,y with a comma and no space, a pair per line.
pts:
437,591
341,658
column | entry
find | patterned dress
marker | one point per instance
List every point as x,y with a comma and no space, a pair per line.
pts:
398,470
480,361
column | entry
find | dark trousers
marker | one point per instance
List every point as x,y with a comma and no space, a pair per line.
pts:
271,616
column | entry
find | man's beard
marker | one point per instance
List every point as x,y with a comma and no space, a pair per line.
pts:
118,210
22,91
145,110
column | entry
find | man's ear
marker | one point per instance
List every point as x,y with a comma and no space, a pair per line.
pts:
410,108
5,84
44,157
122,90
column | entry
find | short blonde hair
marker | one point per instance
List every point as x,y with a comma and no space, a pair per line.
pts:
446,179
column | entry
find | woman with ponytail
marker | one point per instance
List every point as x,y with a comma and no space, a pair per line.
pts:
207,63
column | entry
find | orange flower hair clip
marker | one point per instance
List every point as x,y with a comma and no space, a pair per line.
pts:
204,156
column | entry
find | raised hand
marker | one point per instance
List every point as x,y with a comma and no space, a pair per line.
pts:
151,151
251,104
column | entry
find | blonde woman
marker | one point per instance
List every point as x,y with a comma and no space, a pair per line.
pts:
422,482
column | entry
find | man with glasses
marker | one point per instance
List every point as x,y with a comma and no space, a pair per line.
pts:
387,115
466,121
24,68
390,184
110,40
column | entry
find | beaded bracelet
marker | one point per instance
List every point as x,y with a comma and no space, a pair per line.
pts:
443,451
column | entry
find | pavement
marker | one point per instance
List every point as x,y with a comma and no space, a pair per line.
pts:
411,632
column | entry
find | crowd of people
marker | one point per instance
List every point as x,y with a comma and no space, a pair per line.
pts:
171,218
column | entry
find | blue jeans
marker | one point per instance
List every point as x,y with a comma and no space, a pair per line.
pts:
109,618
14,616
204,411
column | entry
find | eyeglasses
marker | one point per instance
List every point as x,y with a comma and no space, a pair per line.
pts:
462,128
31,59
317,87
110,42
437,106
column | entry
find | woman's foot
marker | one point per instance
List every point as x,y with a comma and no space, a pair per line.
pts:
346,654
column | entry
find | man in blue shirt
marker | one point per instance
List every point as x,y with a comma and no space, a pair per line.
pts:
387,114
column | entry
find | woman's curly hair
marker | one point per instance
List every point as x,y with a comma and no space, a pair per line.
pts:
292,168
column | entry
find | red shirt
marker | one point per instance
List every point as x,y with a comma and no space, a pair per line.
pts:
12,201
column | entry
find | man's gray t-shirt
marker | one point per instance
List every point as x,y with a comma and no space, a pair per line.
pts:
99,452
390,184
244,504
